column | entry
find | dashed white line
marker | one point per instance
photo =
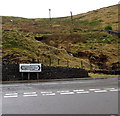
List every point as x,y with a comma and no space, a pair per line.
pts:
79,90
11,93
10,96
83,92
46,92
67,93
94,89
100,91
109,88
32,95
114,90
51,94
63,91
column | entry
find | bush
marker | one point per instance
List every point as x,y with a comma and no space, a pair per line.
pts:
108,27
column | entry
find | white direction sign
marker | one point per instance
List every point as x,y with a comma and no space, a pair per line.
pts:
30,67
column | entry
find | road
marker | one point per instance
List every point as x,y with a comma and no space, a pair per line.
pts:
61,97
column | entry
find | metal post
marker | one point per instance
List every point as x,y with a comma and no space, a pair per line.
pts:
28,76
22,75
37,76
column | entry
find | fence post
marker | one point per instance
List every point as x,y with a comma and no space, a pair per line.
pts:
91,67
81,64
58,61
67,63
50,62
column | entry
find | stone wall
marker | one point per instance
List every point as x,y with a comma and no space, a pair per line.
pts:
11,72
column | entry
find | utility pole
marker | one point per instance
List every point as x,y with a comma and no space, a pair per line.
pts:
72,27
50,14
50,20
71,16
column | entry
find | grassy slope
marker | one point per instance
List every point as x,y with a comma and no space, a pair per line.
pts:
61,36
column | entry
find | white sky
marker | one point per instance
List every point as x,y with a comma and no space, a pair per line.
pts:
59,8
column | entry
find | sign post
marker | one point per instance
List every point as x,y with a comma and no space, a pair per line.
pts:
37,76
28,76
30,68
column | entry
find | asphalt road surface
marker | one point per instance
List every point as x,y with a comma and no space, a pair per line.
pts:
61,97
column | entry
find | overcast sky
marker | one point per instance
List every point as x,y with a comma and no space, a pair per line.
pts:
59,8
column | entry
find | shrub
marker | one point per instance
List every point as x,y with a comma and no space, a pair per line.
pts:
108,27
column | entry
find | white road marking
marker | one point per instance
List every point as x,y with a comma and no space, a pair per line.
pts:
30,95
10,96
63,91
46,92
7,94
114,90
83,92
51,94
79,90
94,89
100,91
67,93
109,88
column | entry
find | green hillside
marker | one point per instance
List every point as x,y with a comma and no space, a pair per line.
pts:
62,41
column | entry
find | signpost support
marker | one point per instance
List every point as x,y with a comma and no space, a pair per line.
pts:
28,76
37,76
22,75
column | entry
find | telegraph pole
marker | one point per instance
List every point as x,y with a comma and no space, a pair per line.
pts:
50,14
72,21
71,16
50,20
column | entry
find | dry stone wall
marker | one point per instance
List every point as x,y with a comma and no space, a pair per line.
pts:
11,72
